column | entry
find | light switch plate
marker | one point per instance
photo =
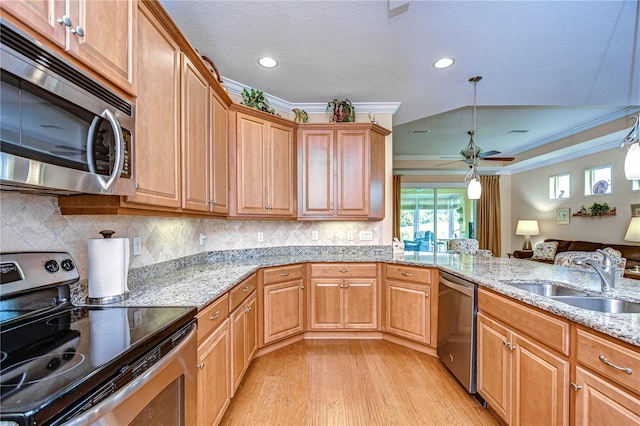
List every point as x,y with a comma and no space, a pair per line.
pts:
137,246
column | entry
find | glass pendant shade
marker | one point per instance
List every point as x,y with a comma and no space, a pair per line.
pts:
632,162
474,190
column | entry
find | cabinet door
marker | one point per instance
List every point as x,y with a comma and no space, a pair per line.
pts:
281,180
42,16
283,310
599,402
326,303
360,303
157,146
353,173
408,311
109,40
316,148
540,380
494,366
251,333
238,346
214,391
251,137
195,137
219,151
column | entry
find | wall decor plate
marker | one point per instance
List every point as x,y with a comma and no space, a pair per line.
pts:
600,187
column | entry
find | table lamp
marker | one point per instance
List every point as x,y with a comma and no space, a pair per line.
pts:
527,228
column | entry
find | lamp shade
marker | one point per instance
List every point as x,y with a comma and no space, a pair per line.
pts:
632,162
474,190
527,227
633,232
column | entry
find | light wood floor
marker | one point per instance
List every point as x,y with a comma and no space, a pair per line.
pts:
352,382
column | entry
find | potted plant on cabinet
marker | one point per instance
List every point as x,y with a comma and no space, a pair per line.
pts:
342,111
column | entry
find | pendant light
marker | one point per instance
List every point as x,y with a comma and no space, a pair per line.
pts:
474,190
631,143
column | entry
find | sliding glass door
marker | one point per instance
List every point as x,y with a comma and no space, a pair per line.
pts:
430,216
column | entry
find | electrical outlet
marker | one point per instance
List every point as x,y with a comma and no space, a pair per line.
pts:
137,246
350,235
314,235
260,237
366,235
201,239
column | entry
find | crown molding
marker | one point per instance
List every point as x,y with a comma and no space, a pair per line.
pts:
282,105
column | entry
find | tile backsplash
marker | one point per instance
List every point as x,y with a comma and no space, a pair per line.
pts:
34,222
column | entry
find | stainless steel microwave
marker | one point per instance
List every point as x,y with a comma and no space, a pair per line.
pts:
61,131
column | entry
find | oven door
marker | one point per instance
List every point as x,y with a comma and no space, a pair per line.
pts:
164,395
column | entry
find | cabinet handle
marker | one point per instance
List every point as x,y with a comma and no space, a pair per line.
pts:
343,271
65,20
246,289
200,366
217,315
509,345
406,274
627,370
575,387
285,274
79,31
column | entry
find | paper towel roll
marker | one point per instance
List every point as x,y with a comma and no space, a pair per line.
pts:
108,270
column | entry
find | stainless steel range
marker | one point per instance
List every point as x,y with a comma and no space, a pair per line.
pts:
61,364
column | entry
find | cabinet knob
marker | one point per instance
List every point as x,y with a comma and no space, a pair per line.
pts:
200,366
137,185
65,20
302,287
426,295
341,286
246,289
509,345
217,315
575,386
79,31
248,309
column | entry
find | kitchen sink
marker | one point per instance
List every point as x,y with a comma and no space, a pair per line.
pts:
601,304
545,289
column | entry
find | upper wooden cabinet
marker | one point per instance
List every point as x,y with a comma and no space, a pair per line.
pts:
341,171
262,149
218,154
101,34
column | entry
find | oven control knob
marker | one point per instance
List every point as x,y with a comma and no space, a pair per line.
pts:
51,266
67,265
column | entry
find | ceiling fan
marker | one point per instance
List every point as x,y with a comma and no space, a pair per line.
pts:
473,152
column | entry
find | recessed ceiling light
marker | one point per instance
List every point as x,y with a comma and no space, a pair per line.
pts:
267,62
443,63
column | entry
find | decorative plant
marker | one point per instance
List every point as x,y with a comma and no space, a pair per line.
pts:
255,99
599,209
342,111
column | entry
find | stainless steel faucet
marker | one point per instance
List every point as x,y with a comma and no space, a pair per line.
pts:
605,270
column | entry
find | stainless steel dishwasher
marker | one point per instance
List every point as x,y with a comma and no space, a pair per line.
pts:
457,307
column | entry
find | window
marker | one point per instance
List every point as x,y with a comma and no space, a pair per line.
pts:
635,185
597,181
560,186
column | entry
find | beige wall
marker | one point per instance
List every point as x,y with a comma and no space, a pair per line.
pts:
530,200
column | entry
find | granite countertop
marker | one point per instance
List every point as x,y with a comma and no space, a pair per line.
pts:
203,278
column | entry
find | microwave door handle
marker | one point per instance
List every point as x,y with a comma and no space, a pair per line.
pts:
91,140
119,140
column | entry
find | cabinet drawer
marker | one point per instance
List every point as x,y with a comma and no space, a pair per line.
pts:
282,273
343,270
411,274
240,292
212,316
614,361
547,329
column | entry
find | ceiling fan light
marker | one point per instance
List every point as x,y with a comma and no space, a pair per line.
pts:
443,63
632,162
474,190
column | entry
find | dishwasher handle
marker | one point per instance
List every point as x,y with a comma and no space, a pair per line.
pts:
458,287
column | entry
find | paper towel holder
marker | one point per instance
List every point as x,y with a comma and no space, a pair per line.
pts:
107,233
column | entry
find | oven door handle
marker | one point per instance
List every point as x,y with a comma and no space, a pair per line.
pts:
94,414
457,287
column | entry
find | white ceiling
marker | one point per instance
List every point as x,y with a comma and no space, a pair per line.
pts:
552,68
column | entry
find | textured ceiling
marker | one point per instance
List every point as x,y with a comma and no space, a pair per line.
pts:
550,67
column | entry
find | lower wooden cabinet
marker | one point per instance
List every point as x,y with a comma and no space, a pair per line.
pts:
283,302
520,378
214,373
244,342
